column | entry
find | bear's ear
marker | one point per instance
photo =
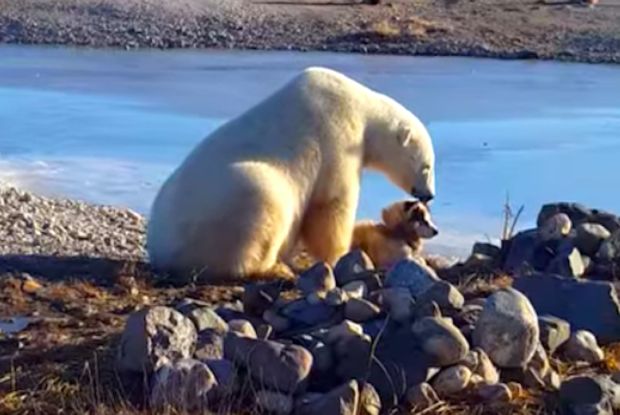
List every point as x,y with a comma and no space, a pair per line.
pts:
405,136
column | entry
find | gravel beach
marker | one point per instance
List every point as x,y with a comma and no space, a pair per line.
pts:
516,29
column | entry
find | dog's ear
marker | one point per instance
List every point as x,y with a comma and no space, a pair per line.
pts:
394,215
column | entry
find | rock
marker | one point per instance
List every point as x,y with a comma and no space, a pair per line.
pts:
264,331
567,262
349,267
421,396
353,357
451,380
370,402
336,297
259,297
411,274
274,402
589,237
318,278
203,317
480,364
302,313
553,332
584,395
355,289
273,365
398,303
552,380
276,321
507,329
426,309
153,334
398,364
556,227
601,316
360,310
499,392
182,385
225,376
445,295
521,250
487,249
440,340
243,327
342,331
210,345
343,400
582,347
576,212
322,356
610,248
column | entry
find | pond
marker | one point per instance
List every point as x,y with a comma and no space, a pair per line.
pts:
108,126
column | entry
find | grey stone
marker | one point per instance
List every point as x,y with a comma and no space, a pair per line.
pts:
275,403
589,237
610,248
553,332
507,329
349,267
487,249
445,295
335,297
441,340
225,376
155,334
521,250
355,289
183,385
264,331
567,262
242,327
343,400
318,278
203,317
398,364
559,296
398,303
499,392
582,347
411,274
278,322
421,396
556,227
353,357
360,310
273,365
322,357
576,212
584,395
343,330
451,380
259,297
210,345
302,313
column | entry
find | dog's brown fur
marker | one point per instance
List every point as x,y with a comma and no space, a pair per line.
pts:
400,235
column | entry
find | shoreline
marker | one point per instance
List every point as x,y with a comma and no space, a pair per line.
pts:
482,29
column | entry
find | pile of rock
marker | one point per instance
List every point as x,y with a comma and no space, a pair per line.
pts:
354,340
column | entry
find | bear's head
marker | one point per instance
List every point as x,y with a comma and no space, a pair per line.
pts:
400,146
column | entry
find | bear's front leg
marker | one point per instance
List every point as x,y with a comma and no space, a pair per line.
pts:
327,228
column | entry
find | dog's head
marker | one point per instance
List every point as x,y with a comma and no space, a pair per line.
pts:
411,217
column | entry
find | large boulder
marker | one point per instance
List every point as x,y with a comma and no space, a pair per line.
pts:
585,395
411,274
273,365
155,335
441,340
585,305
507,329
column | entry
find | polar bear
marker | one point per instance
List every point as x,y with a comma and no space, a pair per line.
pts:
286,171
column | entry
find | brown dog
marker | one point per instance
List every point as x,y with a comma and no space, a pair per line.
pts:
400,235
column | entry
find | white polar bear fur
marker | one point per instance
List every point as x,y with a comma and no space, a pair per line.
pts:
286,171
